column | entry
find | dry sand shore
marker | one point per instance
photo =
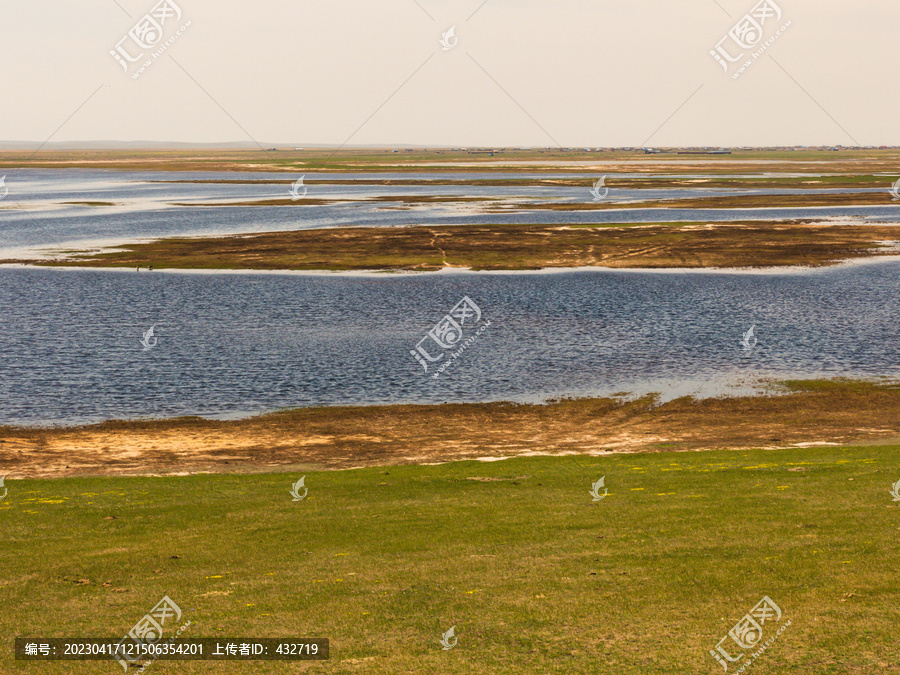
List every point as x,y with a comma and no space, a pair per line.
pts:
819,412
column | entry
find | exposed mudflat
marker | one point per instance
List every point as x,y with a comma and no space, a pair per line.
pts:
815,413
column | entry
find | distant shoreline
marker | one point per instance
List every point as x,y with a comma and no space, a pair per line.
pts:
864,175
848,160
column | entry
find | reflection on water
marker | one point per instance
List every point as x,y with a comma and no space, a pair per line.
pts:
229,344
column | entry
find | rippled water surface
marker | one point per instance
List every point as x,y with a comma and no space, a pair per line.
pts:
234,344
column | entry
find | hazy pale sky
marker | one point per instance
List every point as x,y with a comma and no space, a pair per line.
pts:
526,73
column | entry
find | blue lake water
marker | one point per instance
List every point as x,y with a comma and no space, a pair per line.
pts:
35,215
238,344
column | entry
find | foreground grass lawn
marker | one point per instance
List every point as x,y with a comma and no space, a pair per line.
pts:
536,577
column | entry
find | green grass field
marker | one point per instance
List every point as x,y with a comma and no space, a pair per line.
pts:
536,577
